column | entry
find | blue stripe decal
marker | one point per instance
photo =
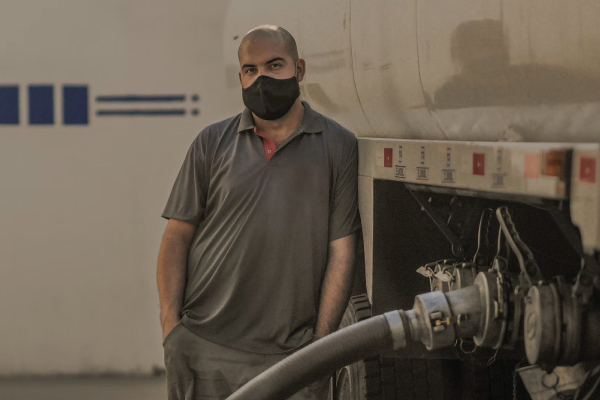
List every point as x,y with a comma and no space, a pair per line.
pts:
41,105
136,113
75,105
136,98
9,105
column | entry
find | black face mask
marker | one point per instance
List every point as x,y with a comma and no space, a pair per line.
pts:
270,98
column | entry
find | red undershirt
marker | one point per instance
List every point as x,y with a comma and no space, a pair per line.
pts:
268,143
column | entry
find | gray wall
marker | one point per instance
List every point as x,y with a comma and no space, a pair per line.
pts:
80,206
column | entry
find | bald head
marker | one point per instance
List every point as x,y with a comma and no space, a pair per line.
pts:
271,33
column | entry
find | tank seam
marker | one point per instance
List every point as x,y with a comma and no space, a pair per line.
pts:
353,73
425,97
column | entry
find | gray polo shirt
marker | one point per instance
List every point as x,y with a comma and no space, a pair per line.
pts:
258,258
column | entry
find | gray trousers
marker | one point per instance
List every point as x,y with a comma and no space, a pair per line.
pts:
199,369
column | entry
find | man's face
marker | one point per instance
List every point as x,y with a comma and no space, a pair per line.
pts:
265,57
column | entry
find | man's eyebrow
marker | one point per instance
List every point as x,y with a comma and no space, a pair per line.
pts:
275,59
268,62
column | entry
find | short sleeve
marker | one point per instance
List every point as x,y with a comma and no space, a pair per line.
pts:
187,201
344,218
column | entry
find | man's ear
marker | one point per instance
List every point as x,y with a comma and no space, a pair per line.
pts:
240,77
301,69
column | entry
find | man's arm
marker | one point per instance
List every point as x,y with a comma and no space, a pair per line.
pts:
337,285
171,271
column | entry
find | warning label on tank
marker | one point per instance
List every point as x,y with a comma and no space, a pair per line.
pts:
479,164
448,176
532,166
587,169
498,180
388,155
422,173
400,172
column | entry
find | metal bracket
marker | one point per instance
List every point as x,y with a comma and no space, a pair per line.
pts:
423,200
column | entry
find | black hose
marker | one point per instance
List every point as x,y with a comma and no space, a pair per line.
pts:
322,358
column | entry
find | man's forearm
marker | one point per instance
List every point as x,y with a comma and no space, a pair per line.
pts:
171,276
337,285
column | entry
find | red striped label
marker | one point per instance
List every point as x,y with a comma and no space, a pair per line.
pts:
388,155
479,164
587,169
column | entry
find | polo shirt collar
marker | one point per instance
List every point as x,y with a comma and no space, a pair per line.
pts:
311,123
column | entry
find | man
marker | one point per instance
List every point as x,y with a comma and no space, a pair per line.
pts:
257,257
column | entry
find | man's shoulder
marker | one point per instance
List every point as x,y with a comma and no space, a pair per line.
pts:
338,137
216,130
336,131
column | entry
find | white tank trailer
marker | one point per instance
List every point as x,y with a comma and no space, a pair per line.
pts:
479,130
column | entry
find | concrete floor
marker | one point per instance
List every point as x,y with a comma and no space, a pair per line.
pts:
105,388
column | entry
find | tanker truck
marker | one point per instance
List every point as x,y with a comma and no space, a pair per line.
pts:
478,126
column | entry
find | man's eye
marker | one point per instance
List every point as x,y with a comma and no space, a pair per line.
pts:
249,70
276,65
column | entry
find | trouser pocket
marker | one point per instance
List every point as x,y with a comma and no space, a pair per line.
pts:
171,333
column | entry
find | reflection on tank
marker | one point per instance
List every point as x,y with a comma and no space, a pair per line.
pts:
487,79
317,94
325,63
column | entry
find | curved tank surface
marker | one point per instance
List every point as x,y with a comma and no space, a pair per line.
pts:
429,69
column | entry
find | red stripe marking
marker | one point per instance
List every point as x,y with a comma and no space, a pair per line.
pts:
479,164
388,155
587,169
532,166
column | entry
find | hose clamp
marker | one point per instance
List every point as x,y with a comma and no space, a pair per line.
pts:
397,329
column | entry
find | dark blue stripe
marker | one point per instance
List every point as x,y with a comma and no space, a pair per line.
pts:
136,98
75,105
133,113
41,105
9,105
